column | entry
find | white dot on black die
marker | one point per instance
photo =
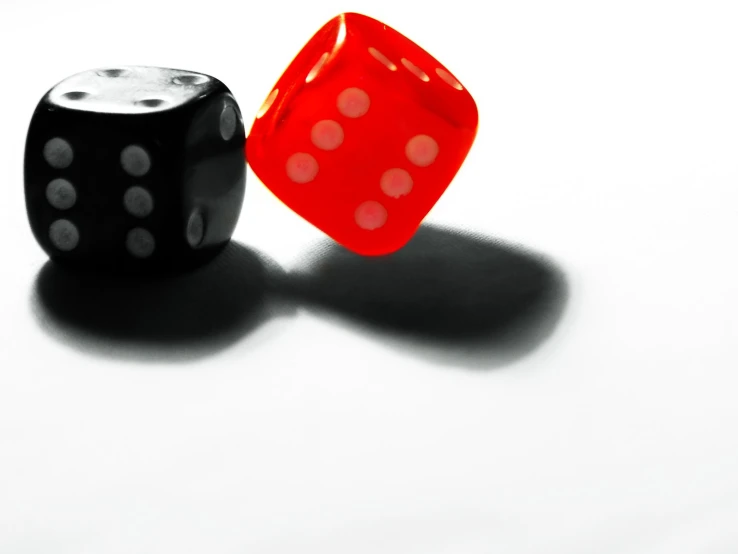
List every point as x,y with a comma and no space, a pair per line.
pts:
58,153
61,194
140,243
135,161
191,79
228,122
64,235
150,102
112,73
75,95
195,229
138,202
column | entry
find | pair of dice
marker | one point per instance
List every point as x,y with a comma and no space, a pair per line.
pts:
143,168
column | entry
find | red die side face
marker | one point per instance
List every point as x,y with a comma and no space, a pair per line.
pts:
362,134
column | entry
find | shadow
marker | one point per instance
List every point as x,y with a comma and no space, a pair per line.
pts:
454,298
458,299
178,317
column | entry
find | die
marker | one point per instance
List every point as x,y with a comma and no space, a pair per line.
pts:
362,134
135,169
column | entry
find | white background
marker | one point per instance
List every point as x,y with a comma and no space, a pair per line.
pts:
608,142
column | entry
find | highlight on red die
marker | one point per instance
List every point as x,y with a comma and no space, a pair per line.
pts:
362,134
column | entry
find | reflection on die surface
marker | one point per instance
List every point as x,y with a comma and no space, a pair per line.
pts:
135,168
362,134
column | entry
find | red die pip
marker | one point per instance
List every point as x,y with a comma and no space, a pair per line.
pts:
362,134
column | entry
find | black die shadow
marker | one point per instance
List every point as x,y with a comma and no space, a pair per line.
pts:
176,318
455,298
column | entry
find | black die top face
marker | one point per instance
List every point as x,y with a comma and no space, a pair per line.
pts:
105,165
131,90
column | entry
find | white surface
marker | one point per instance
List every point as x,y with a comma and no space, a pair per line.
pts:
608,141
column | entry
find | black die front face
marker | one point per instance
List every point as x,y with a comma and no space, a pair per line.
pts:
108,162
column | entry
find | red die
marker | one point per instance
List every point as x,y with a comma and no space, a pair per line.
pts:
362,134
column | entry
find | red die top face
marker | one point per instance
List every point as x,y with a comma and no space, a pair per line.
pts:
362,134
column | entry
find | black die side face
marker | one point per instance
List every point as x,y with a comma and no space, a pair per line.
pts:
105,166
214,174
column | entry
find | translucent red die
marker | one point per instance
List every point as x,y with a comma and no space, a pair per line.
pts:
362,134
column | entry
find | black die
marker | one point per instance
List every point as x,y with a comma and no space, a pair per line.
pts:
135,168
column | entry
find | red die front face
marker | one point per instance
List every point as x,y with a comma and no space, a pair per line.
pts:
362,134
